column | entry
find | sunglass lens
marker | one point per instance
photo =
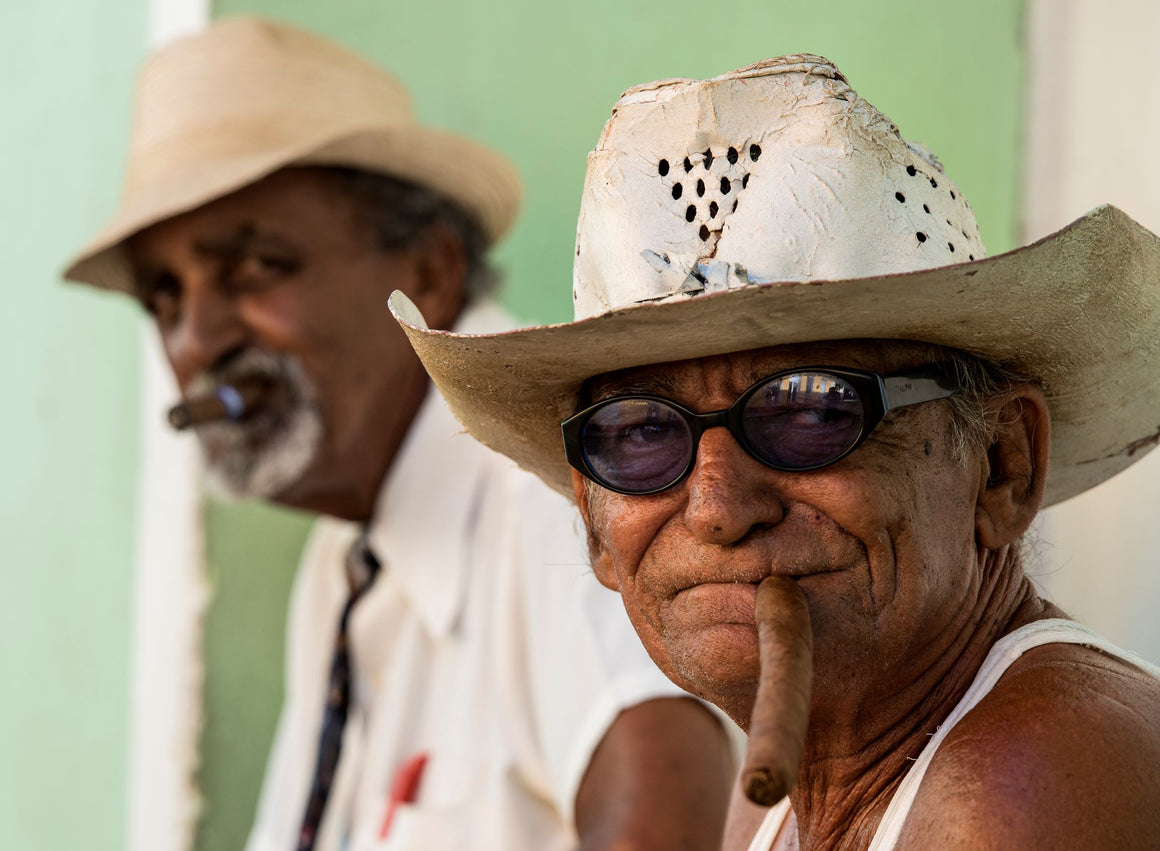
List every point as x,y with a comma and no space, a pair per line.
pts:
637,445
803,420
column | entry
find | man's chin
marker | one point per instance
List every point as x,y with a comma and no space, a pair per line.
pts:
263,473
721,666
230,487
733,695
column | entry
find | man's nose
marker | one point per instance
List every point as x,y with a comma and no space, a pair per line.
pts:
209,328
729,492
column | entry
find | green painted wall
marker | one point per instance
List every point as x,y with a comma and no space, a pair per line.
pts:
537,81
68,371
251,553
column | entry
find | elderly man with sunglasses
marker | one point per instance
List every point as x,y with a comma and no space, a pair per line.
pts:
808,427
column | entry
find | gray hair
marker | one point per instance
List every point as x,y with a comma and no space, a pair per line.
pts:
398,212
980,382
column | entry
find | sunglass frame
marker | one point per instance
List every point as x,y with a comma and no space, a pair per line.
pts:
880,394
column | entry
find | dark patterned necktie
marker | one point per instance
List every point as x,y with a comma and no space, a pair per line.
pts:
361,569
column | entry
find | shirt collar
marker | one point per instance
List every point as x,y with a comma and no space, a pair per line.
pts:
422,521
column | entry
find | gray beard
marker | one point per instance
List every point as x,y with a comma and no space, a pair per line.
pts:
262,455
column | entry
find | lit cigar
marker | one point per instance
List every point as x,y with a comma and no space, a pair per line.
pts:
233,402
781,712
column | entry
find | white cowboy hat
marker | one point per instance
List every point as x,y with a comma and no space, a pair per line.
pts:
222,109
772,205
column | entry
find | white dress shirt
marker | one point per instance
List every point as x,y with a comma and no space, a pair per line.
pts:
485,644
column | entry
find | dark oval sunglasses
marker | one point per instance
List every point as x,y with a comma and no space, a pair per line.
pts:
796,420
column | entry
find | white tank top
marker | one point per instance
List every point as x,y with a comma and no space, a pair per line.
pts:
1002,655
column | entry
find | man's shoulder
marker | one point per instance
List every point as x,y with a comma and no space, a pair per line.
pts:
1063,753
1056,693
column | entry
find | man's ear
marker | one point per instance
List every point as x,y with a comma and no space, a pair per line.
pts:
597,554
441,289
1014,469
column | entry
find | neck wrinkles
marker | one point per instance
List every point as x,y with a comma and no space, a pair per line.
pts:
852,766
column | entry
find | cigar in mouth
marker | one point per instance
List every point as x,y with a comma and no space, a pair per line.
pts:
231,402
781,712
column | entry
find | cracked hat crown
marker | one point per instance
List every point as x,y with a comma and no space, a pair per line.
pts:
775,172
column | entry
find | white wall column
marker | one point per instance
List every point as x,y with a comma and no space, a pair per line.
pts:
1093,129
171,590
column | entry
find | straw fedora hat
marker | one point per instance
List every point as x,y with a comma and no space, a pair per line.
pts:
771,206
222,109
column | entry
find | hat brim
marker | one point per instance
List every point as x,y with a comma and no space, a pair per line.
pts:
1078,310
469,174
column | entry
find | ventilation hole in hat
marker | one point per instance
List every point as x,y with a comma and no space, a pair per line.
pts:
663,167
951,246
933,183
901,198
952,194
704,232
706,198
925,208
970,256
949,222
921,236
754,152
911,170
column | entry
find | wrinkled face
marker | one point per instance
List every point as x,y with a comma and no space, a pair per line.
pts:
882,542
280,279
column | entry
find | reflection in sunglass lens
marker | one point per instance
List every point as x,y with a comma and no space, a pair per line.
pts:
637,444
803,420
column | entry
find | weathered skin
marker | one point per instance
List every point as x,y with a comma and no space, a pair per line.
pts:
907,553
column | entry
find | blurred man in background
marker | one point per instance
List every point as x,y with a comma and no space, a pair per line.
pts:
456,678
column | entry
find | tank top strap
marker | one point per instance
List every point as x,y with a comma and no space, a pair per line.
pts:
770,826
1005,652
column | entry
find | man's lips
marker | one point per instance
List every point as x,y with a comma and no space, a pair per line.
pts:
252,434
730,601
277,396
720,602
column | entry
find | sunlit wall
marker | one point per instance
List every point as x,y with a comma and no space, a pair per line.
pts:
68,374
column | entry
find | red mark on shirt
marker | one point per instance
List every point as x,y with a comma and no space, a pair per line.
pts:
404,789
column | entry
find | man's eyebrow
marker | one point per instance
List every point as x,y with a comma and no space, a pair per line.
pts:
227,243
653,384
